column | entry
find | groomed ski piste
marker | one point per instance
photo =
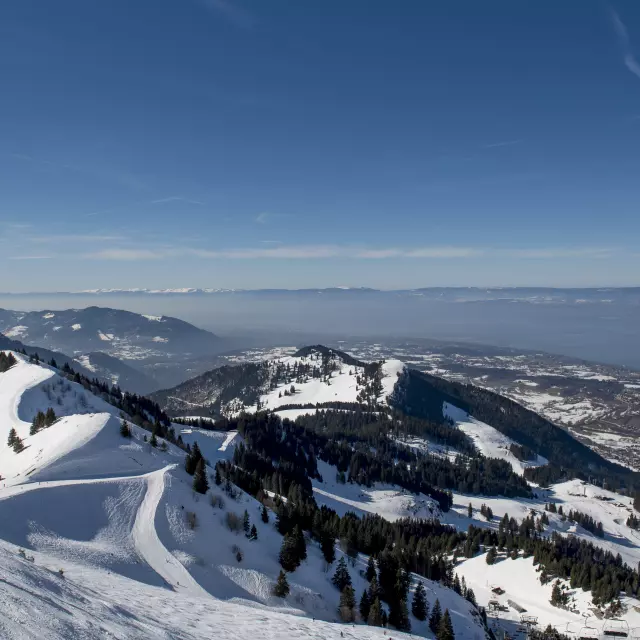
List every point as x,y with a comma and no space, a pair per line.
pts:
103,537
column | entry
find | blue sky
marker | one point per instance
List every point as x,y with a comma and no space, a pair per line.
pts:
251,144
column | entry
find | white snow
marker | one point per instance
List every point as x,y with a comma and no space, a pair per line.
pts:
160,339
489,441
16,332
76,327
153,318
341,387
105,337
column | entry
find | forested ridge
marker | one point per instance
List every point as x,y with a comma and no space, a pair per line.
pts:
421,394
280,456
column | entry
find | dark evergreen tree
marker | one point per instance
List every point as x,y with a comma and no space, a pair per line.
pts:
341,577
200,482
399,615
491,555
154,443
253,534
370,573
125,431
435,617
191,461
365,606
246,523
288,558
301,545
218,479
375,614
347,604
281,589
13,435
265,514
445,628
327,546
419,604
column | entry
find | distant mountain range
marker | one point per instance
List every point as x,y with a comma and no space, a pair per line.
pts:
534,295
139,352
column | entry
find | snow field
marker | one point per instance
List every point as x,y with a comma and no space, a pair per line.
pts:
489,441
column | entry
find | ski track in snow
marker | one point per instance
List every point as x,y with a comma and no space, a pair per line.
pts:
148,544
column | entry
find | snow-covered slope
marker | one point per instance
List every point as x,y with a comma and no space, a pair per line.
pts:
142,555
489,441
314,375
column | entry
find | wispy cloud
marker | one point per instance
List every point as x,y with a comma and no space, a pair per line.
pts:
505,143
562,252
176,199
263,218
624,41
30,257
74,237
103,174
235,14
323,252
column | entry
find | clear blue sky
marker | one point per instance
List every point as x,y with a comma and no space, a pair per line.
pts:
215,143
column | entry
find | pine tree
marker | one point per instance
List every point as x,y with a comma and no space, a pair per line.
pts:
491,555
218,479
370,573
13,435
265,514
347,603
435,617
365,605
50,417
281,590
253,534
327,546
288,554
246,524
375,614
457,587
398,614
154,443
192,458
471,596
18,446
200,482
125,431
470,511
419,604
445,628
341,577
300,544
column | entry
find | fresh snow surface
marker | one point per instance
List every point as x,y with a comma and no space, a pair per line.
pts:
112,514
342,387
489,441
153,318
389,501
76,327
521,583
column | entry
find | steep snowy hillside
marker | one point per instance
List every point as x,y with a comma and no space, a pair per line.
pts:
489,441
102,535
312,376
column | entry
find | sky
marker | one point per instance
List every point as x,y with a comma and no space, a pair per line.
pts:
252,144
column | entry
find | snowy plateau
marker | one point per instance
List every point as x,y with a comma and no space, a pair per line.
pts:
102,536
